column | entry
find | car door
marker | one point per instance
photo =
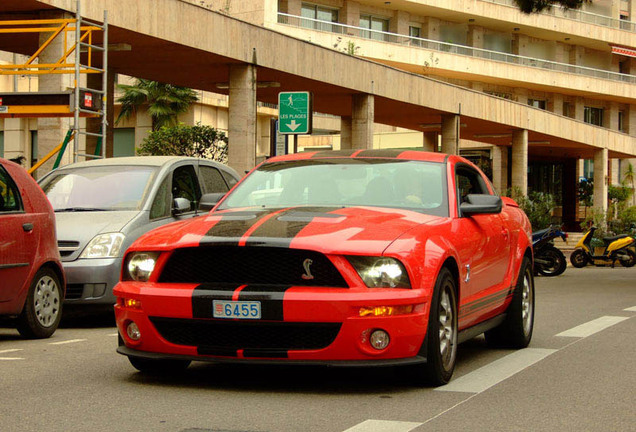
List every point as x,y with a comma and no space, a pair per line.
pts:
18,241
484,252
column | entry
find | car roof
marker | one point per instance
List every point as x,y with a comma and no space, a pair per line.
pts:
137,161
402,154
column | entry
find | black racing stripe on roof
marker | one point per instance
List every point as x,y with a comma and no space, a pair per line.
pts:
383,153
333,153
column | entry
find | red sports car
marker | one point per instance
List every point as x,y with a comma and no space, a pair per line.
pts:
366,257
31,278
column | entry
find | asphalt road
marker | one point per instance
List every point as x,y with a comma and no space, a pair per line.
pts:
577,375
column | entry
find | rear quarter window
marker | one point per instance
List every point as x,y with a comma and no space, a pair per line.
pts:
10,200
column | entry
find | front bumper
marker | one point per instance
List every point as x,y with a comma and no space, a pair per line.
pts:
301,306
91,281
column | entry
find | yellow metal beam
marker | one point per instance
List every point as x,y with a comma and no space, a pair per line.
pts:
48,156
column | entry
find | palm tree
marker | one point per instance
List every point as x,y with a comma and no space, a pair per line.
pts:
628,179
164,101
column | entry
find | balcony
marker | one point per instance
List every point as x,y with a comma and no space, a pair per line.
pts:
433,45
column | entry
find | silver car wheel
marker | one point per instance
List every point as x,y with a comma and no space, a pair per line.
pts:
46,301
527,303
447,330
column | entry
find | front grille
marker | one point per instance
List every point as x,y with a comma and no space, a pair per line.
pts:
67,247
74,291
251,265
246,334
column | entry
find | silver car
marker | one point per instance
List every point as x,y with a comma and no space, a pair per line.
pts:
102,206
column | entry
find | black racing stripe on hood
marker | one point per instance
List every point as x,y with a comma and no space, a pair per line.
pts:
205,294
271,298
233,226
285,226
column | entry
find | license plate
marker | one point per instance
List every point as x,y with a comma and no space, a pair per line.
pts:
236,309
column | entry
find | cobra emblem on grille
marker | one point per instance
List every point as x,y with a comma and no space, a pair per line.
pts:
307,266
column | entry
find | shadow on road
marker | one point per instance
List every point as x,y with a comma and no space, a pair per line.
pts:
87,317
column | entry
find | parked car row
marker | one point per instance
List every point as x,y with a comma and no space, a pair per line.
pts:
100,207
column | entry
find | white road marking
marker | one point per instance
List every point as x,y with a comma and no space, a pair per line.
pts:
10,358
594,326
383,426
631,309
497,371
11,350
114,334
67,342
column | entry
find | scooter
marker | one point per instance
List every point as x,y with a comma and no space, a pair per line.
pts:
616,248
548,260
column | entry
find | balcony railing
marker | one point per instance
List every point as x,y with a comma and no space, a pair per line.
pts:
415,42
577,15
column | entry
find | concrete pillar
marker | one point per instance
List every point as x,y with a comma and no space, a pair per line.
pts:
610,116
430,28
52,130
579,109
362,115
520,160
17,138
555,104
560,53
430,141
450,134
500,168
630,120
475,37
350,15
399,23
614,172
242,118
570,192
600,179
519,44
345,133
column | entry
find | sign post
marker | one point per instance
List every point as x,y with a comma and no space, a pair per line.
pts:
295,113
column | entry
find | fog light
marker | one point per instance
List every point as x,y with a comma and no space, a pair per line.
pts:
133,331
379,339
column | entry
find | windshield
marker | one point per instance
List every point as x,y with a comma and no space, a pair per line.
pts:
98,188
413,185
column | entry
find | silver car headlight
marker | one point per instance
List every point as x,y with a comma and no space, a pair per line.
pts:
380,272
104,246
139,266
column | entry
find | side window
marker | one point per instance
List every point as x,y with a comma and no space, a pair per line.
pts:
212,180
186,185
230,180
10,200
468,182
162,204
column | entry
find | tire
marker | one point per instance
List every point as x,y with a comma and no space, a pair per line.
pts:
42,310
557,262
516,330
579,258
441,340
158,366
632,258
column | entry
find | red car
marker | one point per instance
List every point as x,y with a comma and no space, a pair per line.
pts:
32,281
372,257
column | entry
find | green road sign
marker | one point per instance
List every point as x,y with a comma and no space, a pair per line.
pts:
294,113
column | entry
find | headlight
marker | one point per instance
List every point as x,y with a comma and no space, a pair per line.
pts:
139,266
104,246
380,272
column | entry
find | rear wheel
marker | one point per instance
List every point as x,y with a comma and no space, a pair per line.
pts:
579,258
442,332
516,330
555,263
158,365
628,258
42,309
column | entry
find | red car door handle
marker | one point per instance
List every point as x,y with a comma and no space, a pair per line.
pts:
28,227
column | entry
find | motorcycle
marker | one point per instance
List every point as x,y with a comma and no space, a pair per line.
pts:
616,248
548,260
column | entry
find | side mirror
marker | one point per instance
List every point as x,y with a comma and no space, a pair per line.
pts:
180,205
209,200
480,204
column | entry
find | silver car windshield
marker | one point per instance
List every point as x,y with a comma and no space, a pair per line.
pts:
413,185
105,188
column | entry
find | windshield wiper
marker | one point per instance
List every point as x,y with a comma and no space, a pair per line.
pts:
79,209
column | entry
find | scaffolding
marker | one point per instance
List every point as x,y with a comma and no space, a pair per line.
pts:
83,102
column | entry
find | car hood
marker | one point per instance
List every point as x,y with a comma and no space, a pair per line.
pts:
83,226
354,230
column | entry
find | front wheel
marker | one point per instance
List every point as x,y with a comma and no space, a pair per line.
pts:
628,259
555,263
42,309
516,330
579,258
157,366
441,340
